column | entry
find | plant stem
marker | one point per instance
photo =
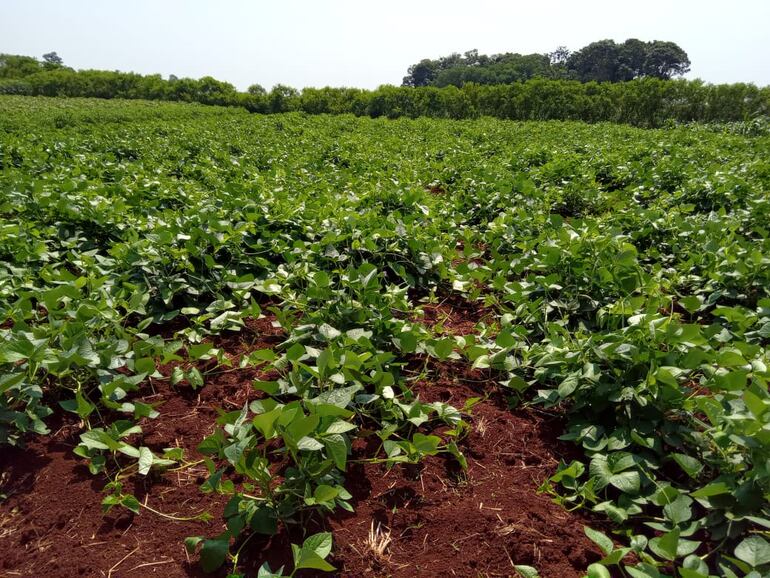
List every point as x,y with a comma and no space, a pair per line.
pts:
175,518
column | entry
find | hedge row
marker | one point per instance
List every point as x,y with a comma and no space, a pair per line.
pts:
646,102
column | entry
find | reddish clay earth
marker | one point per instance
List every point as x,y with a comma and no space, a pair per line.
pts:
453,315
441,521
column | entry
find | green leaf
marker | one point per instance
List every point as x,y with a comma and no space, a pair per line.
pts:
613,512
666,546
730,358
600,540
526,571
320,543
756,404
691,466
309,444
339,397
324,359
144,365
302,426
407,342
568,385
264,521
643,571
695,565
312,553
328,410
679,510
321,279
426,444
754,550
688,573
98,439
311,560
505,340
130,502
262,355
627,482
575,469
265,422
324,493
340,426
265,572
455,451
198,350
214,553
337,450
686,547
599,469
295,352
691,303
598,571
712,489
195,378
328,332
80,406
145,460
615,557
444,348
177,375
191,542
141,410
269,387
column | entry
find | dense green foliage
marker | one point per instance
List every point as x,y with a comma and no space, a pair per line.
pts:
606,61
26,76
17,66
647,102
603,61
457,69
629,271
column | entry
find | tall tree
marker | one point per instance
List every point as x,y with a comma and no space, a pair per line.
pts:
598,61
256,90
665,59
632,55
605,61
602,61
560,55
421,74
53,59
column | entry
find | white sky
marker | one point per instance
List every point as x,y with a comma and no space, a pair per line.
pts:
364,43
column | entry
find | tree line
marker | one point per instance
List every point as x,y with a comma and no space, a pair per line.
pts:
646,101
603,61
29,76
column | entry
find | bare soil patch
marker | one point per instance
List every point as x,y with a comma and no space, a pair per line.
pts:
454,315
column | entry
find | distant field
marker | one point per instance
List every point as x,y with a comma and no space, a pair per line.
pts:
408,347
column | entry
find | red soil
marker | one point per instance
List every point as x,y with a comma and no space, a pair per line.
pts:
442,521
447,522
454,315
51,525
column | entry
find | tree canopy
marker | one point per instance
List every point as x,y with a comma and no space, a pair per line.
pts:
602,61
18,66
606,61
457,69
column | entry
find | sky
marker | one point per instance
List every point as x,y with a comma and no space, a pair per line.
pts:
365,44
